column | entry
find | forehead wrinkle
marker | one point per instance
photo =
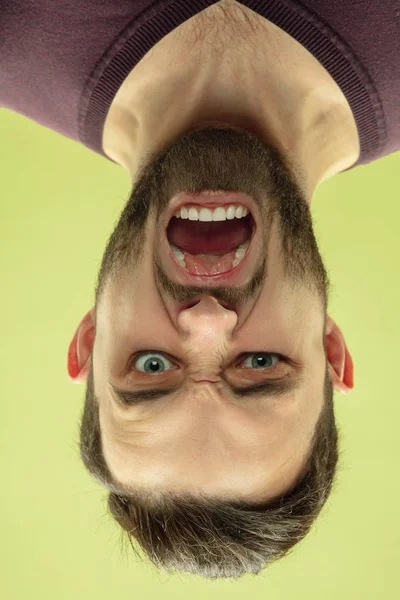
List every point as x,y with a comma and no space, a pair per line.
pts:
190,389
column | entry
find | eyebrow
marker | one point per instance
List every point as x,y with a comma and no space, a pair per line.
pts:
266,389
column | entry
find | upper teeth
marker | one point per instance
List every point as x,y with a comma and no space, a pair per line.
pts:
217,214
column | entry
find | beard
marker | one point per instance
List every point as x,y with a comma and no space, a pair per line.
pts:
215,158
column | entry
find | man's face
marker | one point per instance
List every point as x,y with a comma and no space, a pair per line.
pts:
159,327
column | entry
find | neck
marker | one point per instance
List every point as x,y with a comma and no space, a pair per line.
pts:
255,76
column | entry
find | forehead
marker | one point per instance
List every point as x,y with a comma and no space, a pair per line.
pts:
207,459
217,448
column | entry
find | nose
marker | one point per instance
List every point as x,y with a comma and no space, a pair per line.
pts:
207,321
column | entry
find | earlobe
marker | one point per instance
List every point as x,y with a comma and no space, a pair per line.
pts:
80,349
339,358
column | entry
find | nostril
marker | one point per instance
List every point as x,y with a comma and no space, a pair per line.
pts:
228,306
190,304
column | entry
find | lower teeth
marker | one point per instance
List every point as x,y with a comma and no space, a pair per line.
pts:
179,255
239,254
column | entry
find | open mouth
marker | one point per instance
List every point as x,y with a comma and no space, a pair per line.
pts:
209,241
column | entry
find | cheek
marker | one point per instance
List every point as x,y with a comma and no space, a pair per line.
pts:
288,426
288,449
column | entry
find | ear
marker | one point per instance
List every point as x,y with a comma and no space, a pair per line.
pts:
339,358
80,349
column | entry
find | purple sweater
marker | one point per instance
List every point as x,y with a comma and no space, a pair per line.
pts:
62,62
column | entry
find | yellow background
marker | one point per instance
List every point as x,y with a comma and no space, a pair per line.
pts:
59,203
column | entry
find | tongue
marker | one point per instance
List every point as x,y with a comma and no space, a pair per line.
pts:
209,264
215,237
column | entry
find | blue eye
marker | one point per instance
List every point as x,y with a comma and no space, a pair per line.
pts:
152,362
259,360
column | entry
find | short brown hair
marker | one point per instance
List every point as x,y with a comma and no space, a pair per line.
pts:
210,537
